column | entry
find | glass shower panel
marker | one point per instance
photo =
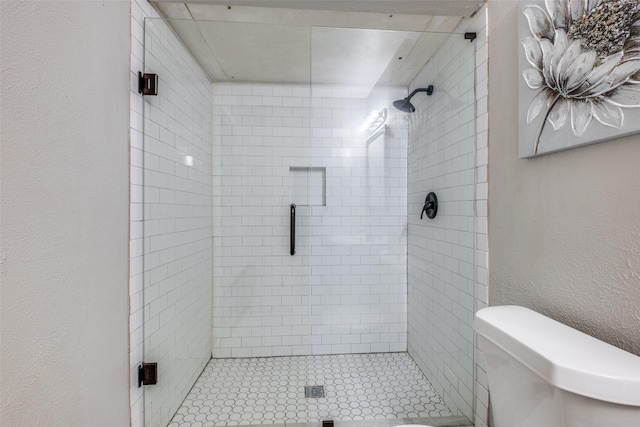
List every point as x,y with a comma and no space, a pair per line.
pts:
264,186
359,236
178,222
441,264
262,183
376,267
227,154
369,315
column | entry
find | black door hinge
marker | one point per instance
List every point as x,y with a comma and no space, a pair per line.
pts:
470,36
147,374
147,83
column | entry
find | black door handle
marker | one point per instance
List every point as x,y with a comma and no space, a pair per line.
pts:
292,230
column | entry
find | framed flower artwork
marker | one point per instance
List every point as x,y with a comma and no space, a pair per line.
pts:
579,73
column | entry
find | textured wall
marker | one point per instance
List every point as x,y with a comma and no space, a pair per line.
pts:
64,217
345,289
564,229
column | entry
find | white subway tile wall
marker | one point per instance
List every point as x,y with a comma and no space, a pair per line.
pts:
441,250
178,242
344,291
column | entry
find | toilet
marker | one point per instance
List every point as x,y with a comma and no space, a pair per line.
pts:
542,373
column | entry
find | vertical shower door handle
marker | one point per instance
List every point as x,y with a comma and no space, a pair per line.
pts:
292,230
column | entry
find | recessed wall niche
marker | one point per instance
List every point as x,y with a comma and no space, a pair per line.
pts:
308,186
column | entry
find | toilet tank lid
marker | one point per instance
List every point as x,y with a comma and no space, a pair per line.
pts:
563,356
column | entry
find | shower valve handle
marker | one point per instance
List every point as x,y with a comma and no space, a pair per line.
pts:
430,206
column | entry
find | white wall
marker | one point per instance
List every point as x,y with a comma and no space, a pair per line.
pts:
64,213
345,289
563,227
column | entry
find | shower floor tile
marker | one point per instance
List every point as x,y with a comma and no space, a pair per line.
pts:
271,390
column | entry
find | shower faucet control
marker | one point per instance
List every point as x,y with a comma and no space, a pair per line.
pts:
430,206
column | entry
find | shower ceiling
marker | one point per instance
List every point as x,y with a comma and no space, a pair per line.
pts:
237,41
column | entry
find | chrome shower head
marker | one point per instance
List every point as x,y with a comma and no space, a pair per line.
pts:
405,104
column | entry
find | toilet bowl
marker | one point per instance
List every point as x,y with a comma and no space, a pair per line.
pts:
543,373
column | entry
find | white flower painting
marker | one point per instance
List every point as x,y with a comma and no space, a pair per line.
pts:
579,73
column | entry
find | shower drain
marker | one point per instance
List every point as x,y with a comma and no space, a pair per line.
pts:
314,391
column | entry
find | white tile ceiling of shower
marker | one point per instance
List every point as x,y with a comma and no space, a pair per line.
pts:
271,391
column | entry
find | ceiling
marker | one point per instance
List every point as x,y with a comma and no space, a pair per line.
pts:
359,42
398,7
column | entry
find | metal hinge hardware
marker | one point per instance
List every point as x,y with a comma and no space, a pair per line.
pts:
147,84
147,374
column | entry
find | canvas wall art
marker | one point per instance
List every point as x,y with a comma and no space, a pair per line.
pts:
579,73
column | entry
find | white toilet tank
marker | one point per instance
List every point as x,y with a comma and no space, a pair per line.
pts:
542,373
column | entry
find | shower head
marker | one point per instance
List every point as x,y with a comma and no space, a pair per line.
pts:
405,104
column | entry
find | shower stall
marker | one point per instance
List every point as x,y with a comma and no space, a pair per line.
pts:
288,274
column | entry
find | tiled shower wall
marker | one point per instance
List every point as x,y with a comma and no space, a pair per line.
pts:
344,291
176,236
441,250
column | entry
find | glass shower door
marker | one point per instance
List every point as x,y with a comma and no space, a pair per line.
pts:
225,158
261,269
178,222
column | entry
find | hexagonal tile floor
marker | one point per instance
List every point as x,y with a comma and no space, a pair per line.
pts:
271,390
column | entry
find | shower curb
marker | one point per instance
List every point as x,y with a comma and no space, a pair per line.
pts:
434,422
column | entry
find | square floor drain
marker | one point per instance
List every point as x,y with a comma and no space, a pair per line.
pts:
314,391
